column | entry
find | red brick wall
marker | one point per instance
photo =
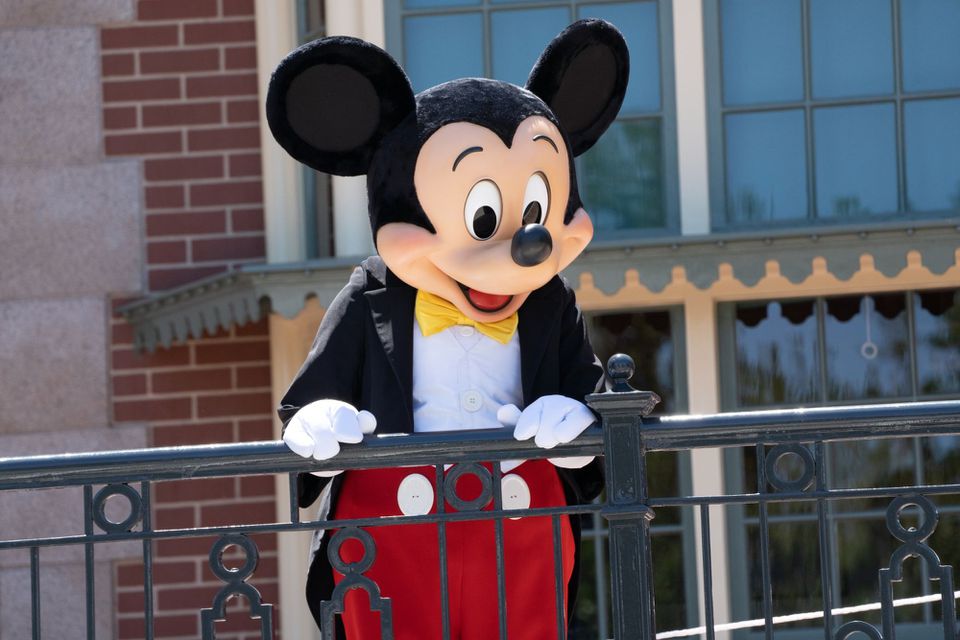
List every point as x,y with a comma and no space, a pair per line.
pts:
180,91
180,94
205,391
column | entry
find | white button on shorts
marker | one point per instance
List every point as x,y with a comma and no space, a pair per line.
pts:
514,492
471,400
415,495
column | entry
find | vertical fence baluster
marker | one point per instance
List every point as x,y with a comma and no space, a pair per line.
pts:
442,533
765,544
294,498
88,553
88,558
826,546
560,589
707,569
147,525
600,565
35,591
498,533
631,574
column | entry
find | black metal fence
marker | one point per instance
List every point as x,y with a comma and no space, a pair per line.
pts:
790,450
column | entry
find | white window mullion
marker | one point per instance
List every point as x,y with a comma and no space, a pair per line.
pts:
282,177
690,77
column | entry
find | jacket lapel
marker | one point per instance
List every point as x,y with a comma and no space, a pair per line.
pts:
392,311
539,317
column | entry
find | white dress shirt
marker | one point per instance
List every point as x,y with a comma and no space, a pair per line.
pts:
461,377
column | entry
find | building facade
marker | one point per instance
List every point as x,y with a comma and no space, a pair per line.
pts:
778,224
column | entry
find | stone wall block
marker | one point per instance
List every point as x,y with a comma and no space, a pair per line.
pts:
49,96
32,13
62,601
53,364
70,231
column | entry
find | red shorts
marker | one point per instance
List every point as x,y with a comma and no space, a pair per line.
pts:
407,565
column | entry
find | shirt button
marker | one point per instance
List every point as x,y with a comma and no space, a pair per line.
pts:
471,400
465,330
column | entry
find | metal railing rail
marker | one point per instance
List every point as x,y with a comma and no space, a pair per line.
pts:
626,438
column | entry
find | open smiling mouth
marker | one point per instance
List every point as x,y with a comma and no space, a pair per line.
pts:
486,302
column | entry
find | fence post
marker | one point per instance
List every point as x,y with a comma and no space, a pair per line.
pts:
622,410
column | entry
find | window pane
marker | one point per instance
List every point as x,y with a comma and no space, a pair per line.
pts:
937,325
766,166
638,23
851,46
867,347
932,129
871,463
794,569
594,577
422,4
669,577
519,37
621,178
941,459
856,160
311,24
441,48
931,46
762,51
647,338
777,360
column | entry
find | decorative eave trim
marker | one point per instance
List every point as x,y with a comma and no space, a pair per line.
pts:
700,257
252,291
234,299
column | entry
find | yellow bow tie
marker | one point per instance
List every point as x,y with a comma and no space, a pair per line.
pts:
434,314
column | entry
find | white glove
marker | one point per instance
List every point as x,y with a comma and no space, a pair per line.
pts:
550,420
316,430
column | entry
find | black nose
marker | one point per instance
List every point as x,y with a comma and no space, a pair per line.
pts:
531,245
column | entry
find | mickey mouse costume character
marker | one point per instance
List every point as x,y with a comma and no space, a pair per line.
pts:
460,320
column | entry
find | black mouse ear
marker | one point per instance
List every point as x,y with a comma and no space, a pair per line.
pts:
331,101
582,76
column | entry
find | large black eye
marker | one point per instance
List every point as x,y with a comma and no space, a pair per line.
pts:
481,213
536,200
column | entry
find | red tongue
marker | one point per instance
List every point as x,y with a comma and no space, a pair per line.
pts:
487,301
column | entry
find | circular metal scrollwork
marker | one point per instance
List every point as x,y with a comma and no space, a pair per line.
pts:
486,487
912,534
848,630
803,482
250,560
358,566
100,505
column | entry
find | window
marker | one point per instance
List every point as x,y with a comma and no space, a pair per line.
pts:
628,180
833,111
654,339
318,212
845,349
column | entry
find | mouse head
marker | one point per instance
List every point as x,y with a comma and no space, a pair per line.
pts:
472,185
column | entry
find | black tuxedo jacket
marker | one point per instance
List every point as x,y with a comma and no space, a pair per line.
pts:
363,354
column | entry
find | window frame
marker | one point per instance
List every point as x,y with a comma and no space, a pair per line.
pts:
318,220
394,14
717,111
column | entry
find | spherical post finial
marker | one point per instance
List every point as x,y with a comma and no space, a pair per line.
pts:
620,368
